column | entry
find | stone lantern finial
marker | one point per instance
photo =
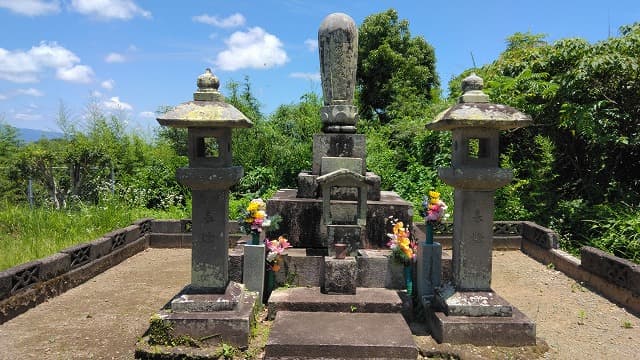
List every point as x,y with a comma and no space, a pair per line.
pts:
472,90
208,85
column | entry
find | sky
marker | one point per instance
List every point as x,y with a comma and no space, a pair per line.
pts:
133,56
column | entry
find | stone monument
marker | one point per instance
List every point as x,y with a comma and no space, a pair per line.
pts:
338,182
468,311
210,304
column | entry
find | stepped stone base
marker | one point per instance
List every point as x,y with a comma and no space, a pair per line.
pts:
309,299
228,315
322,335
515,330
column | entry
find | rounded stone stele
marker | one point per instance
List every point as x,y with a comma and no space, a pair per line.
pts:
338,50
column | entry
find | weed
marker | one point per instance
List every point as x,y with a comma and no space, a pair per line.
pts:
550,266
627,324
582,315
353,308
227,351
160,334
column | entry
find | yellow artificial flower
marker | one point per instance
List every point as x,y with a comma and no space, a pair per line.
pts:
398,227
260,214
253,206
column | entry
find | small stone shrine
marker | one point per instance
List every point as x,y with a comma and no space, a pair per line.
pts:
338,201
468,310
210,304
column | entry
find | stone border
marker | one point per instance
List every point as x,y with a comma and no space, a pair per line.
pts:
27,285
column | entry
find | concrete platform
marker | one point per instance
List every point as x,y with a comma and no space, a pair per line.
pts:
309,299
321,335
515,330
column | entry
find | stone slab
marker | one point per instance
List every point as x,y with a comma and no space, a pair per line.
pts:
330,164
305,335
186,302
170,240
310,299
477,303
428,268
100,247
132,233
344,234
339,276
516,330
301,269
375,270
54,265
254,268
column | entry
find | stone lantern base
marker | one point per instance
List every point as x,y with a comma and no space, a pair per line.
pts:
479,318
213,318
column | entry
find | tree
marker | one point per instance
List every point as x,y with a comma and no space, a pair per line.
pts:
393,67
9,147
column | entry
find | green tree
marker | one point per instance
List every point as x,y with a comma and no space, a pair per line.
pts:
394,68
10,144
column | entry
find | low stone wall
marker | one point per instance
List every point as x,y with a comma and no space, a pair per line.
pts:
25,286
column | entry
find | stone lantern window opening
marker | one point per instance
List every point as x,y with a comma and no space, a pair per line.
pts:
209,147
475,147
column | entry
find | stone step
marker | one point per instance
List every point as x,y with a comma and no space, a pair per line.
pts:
310,299
339,335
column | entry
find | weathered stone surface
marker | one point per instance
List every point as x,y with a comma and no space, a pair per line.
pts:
316,335
619,271
366,300
80,254
301,269
541,236
339,275
338,145
236,259
330,164
254,268
307,185
375,270
301,218
232,326
132,233
338,48
472,240
344,234
171,240
516,330
475,303
187,302
100,247
54,265
428,268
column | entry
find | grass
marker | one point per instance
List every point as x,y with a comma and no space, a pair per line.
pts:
28,234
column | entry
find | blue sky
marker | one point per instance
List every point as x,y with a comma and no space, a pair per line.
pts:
132,56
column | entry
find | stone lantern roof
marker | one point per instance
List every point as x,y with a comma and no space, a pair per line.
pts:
207,110
474,110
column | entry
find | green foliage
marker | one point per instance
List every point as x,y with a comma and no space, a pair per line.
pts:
394,68
27,234
577,158
9,146
160,333
617,230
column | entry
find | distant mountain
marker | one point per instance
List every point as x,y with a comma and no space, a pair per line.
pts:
30,135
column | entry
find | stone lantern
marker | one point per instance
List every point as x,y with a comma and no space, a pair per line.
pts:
210,303
475,174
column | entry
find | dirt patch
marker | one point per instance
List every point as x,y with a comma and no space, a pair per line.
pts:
103,318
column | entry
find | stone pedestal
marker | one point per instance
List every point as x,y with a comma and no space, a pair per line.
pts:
339,275
228,315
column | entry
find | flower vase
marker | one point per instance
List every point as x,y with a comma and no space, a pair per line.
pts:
271,284
255,238
408,279
429,228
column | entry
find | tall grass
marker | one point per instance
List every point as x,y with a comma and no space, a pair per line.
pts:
27,234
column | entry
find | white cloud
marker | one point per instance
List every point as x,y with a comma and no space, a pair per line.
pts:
234,20
3,97
30,92
306,76
78,74
108,84
26,66
312,45
109,9
31,7
252,49
27,116
114,58
96,94
147,114
114,103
